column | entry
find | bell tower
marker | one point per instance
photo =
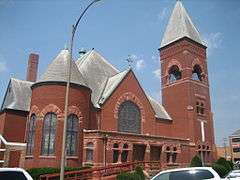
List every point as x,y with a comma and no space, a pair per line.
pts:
185,85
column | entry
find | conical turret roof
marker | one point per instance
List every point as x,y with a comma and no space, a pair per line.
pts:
57,70
180,25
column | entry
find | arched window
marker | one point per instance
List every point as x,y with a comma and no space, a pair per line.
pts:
72,135
174,74
89,152
197,73
124,153
129,118
31,134
48,137
115,153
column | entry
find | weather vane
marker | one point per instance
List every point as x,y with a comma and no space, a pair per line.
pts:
129,61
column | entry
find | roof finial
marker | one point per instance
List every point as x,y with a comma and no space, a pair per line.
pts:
65,47
129,61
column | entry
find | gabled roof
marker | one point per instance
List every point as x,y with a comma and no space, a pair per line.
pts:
160,111
180,25
103,78
96,71
18,95
112,84
57,70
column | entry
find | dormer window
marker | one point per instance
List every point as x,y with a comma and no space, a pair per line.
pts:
197,73
174,74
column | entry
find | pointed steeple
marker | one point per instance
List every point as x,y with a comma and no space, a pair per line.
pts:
180,25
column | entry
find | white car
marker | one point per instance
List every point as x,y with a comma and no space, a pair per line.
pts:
14,174
233,175
195,173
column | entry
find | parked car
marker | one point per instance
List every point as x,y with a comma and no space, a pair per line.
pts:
233,175
14,174
195,173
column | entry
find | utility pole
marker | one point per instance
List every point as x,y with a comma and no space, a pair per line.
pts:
69,65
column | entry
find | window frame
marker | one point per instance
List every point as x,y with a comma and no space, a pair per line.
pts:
31,134
90,149
74,134
50,130
129,117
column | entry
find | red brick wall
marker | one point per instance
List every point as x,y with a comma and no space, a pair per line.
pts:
129,89
15,126
180,98
12,127
2,121
50,98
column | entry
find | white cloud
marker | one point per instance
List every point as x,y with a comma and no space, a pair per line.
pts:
3,67
157,73
140,64
162,14
138,61
213,41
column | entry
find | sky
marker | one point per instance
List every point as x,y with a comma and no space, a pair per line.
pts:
118,28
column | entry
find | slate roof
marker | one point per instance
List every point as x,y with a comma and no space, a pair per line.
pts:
57,70
103,78
160,111
236,133
96,70
91,70
18,95
111,85
180,25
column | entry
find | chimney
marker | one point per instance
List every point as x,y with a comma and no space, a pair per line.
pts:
32,67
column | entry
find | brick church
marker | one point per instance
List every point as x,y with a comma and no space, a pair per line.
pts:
110,117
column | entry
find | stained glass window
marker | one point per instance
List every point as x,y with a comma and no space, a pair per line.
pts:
49,130
72,135
129,118
31,134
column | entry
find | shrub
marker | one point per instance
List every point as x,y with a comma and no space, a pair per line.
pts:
196,162
129,176
220,169
231,164
36,172
139,171
222,161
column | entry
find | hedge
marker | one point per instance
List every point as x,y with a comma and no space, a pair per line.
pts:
196,162
128,176
222,161
36,172
136,175
139,171
220,169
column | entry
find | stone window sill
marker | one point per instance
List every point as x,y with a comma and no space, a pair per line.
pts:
173,164
29,157
47,157
72,157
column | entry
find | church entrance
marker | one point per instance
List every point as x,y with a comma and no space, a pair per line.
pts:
138,152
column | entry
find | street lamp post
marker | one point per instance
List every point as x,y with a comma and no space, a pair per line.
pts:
69,65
